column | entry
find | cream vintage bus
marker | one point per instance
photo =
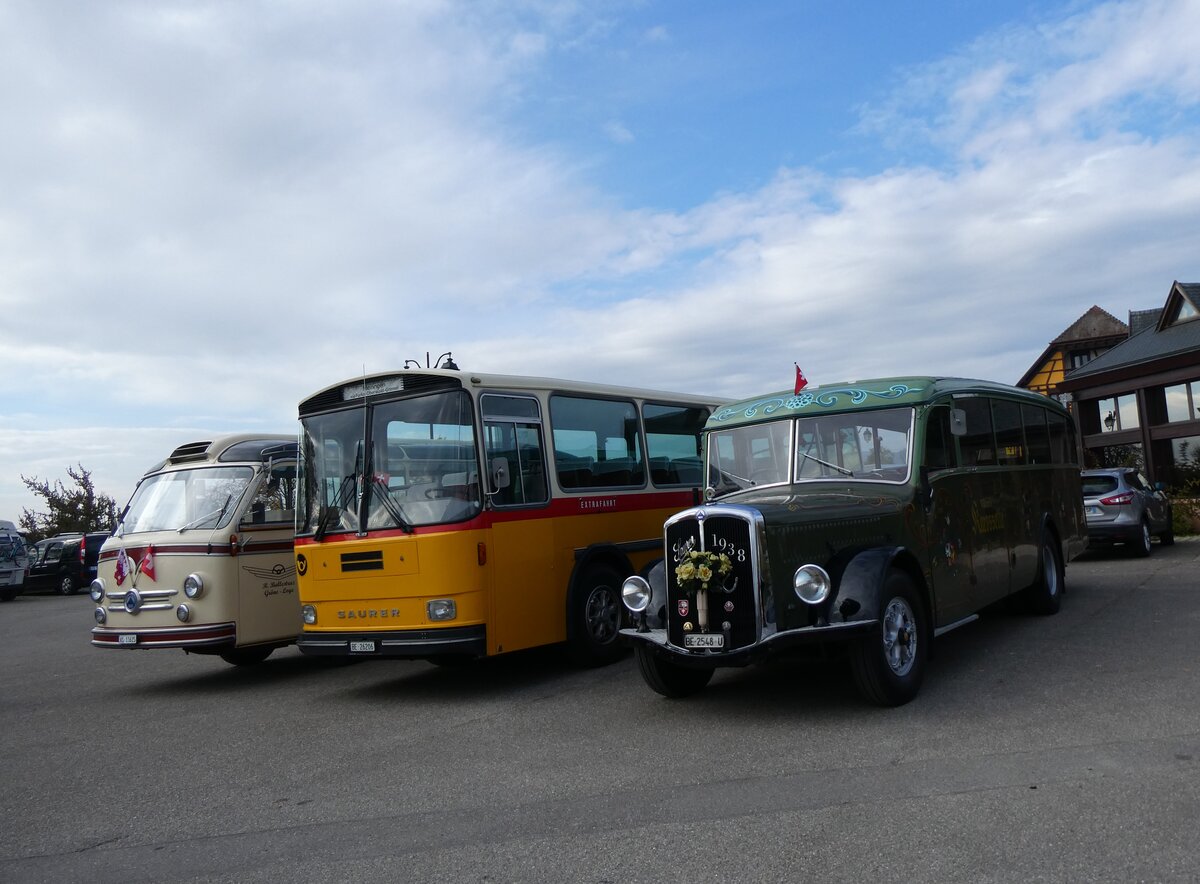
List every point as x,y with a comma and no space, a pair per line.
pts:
202,557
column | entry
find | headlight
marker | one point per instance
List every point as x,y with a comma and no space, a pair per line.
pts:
184,613
441,609
97,589
308,614
193,585
635,592
812,584
101,616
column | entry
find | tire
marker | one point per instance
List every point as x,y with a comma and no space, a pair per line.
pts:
670,679
594,617
888,663
66,585
7,595
246,656
1167,538
1045,595
1139,547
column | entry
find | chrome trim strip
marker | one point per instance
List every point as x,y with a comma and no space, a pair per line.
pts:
942,630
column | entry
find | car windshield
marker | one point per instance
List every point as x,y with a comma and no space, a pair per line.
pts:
398,464
866,445
183,500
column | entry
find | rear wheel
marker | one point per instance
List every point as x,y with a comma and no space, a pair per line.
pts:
7,595
1168,536
1140,546
594,617
246,656
1045,596
670,679
66,585
888,663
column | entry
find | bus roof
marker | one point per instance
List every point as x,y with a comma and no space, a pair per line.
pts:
383,385
861,396
233,448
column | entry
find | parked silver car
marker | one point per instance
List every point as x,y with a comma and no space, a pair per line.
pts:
1122,506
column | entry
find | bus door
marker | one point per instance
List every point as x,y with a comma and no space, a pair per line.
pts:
265,563
526,605
987,494
948,521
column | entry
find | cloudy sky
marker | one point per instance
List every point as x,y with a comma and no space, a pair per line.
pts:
209,210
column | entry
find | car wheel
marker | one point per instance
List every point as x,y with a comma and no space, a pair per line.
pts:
888,663
1167,538
594,617
246,656
7,595
1140,547
1045,596
66,586
670,679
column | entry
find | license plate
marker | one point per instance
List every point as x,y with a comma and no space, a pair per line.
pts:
127,639
704,641
1092,511
362,647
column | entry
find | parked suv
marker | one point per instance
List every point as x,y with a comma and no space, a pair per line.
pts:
13,561
1121,506
66,563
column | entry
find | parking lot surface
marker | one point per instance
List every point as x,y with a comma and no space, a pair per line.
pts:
1062,748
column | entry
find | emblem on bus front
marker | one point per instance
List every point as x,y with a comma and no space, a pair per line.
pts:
133,601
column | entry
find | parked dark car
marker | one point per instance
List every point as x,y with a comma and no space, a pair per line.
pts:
66,563
1121,506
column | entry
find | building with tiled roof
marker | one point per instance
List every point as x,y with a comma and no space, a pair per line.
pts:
1086,338
1139,402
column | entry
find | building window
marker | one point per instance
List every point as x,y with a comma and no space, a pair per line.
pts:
1181,401
1119,413
1082,357
1115,456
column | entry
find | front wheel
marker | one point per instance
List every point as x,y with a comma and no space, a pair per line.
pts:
66,586
594,617
670,679
7,595
888,663
246,656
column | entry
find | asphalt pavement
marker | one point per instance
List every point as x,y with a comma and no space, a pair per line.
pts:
1063,748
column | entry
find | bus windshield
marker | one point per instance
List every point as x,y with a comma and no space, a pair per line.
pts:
861,445
183,500
393,465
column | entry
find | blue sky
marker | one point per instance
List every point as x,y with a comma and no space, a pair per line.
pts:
209,210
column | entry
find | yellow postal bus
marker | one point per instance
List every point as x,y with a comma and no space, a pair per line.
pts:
446,514
202,558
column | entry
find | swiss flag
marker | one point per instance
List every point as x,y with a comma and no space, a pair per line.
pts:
801,380
122,569
148,563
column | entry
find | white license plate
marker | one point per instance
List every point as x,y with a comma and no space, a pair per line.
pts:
127,639
704,641
1092,511
362,647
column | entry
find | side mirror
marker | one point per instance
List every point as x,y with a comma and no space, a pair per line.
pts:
958,422
500,476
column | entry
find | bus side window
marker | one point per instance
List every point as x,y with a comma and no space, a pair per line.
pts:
512,431
673,442
977,446
1036,434
939,442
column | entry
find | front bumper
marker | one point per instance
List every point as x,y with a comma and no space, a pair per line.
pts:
212,635
655,640
416,644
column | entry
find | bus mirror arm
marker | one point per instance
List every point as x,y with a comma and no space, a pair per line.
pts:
499,474
925,489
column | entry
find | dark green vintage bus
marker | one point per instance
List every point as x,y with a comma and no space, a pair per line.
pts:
876,515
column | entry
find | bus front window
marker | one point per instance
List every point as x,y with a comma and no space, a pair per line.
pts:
418,466
200,499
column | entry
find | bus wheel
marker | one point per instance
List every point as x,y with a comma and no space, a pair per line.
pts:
594,617
888,662
66,586
1045,596
670,679
246,656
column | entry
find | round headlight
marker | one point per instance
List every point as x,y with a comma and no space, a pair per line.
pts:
184,613
635,592
812,584
97,589
101,616
308,614
193,585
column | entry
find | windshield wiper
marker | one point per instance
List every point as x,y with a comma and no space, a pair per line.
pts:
393,508
218,513
825,463
337,505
